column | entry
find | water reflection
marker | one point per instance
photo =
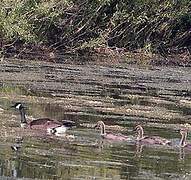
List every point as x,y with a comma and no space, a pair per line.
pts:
181,153
139,149
89,157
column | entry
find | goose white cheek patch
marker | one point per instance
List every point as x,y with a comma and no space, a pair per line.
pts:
18,106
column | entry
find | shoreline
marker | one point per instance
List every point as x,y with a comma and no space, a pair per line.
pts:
99,55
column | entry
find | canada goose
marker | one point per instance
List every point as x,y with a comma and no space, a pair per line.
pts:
51,126
110,136
149,139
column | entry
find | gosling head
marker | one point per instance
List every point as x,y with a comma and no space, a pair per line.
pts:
139,130
99,124
183,132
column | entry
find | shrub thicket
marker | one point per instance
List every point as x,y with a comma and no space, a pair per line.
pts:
159,26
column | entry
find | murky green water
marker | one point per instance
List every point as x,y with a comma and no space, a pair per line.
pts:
123,95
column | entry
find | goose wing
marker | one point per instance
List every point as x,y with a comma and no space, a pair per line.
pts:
68,123
44,121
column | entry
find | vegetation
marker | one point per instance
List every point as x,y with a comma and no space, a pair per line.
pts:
152,26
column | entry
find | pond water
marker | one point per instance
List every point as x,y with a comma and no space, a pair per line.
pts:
121,95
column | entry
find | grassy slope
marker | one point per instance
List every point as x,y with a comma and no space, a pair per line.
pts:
152,26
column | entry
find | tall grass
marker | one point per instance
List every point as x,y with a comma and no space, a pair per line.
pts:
161,26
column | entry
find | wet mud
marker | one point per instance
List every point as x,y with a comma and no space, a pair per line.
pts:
119,91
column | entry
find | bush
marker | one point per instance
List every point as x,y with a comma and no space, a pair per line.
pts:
155,26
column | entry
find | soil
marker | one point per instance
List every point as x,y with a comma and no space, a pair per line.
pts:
109,91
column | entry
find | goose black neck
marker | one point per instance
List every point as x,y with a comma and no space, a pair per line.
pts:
23,116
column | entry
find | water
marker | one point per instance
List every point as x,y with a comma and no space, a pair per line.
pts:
119,94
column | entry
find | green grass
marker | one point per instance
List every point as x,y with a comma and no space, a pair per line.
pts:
151,26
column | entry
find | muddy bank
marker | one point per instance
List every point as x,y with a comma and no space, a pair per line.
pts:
100,56
127,93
